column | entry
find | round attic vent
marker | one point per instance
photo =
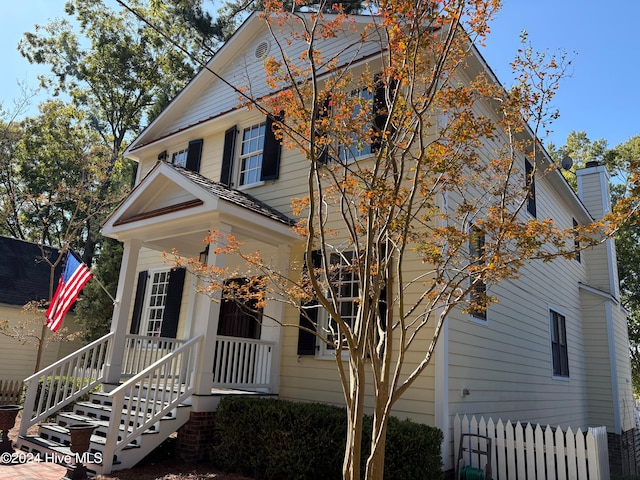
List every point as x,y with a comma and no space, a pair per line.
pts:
262,50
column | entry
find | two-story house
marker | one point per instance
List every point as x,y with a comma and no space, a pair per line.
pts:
553,350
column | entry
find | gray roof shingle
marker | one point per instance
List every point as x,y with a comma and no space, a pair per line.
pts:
234,196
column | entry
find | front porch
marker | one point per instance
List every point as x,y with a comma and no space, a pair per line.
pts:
173,209
154,398
172,351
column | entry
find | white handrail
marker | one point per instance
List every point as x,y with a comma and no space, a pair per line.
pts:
84,365
140,351
148,396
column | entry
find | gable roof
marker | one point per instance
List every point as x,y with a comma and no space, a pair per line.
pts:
236,197
213,95
24,274
173,207
236,72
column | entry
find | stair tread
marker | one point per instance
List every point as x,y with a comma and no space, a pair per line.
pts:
107,409
54,438
64,449
98,423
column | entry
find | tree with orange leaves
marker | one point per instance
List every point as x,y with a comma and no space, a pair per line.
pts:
417,188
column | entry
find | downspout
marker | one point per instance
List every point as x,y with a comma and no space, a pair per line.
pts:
441,394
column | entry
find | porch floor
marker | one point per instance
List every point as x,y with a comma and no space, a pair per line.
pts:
234,391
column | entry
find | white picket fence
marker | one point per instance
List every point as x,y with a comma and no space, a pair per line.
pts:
532,452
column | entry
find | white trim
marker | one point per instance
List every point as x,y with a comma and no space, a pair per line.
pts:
479,321
441,394
613,364
559,311
441,389
612,266
595,291
144,321
239,156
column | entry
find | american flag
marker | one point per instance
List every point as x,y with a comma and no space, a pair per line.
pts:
75,277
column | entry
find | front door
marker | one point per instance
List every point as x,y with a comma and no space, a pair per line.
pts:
236,320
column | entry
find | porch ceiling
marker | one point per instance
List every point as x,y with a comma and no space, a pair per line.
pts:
175,208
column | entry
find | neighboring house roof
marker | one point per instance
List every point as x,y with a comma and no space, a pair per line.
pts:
234,196
24,274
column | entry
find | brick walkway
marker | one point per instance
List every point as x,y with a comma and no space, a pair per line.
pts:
31,471
21,466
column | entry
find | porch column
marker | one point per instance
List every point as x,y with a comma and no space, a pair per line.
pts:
126,289
274,318
205,322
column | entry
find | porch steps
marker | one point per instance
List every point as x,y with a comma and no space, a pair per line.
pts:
53,440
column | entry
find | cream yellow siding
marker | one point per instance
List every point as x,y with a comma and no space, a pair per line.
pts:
18,360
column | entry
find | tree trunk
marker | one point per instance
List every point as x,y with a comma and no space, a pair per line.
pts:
375,462
40,348
89,247
355,421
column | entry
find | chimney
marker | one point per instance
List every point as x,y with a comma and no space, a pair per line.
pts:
593,191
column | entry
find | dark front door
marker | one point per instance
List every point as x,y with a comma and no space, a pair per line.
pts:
238,320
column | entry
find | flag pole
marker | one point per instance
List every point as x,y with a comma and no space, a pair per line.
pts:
104,288
94,277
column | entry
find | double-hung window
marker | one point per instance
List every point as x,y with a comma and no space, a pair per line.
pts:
188,157
357,145
559,350
530,184
346,285
156,300
179,158
251,154
576,241
478,294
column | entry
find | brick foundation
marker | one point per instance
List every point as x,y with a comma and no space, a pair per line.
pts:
624,452
195,437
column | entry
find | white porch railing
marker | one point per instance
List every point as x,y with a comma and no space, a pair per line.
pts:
141,351
82,371
242,363
527,452
157,391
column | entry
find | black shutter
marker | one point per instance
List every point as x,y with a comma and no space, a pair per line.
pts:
380,109
194,153
227,156
172,303
138,304
270,153
309,317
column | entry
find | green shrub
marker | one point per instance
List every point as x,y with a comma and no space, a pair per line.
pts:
275,439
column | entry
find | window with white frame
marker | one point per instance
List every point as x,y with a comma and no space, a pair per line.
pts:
357,146
530,185
346,284
478,294
156,300
576,241
251,154
559,350
179,158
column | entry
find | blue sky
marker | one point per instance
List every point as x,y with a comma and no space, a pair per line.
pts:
602,96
